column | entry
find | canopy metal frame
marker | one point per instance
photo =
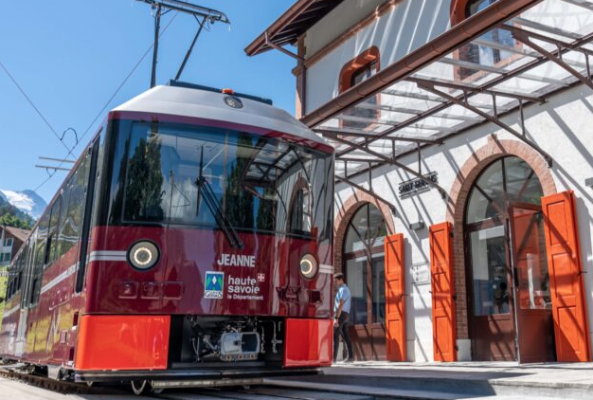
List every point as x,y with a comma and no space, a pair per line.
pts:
446,94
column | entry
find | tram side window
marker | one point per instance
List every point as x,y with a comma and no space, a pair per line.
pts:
12,280
18,268
59,233
52,240
72,225
38,258
300,217
8,289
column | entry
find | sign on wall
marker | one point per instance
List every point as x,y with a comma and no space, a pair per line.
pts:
420,273
417,185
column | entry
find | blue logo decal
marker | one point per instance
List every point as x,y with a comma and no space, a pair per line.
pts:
214,285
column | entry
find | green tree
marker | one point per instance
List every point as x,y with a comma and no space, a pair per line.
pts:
10,219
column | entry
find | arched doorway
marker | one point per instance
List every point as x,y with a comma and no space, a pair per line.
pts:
507,273
364,269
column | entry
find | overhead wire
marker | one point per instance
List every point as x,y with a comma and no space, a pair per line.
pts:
88,129
20,88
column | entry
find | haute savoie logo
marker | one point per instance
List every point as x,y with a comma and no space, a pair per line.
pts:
214,285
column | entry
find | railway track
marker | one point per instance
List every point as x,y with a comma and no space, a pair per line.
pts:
27,376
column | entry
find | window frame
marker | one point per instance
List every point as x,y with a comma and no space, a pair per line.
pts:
356,66
459,13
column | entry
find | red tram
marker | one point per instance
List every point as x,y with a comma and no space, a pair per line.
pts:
191,243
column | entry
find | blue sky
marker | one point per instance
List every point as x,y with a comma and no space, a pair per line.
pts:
70,56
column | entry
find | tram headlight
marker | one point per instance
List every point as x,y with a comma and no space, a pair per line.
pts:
308,266
143,255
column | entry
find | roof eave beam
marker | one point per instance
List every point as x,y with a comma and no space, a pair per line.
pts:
273,45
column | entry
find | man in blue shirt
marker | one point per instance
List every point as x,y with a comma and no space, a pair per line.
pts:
341,313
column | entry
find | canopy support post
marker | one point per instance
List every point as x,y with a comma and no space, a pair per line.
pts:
281,49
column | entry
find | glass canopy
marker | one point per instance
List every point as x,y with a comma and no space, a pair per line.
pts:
519,62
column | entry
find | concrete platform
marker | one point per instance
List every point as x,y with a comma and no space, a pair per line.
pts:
444,381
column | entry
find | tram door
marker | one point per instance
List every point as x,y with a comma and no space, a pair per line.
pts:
531,284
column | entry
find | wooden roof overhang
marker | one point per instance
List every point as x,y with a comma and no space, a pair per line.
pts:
290,25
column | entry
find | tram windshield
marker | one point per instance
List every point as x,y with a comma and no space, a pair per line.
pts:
252,183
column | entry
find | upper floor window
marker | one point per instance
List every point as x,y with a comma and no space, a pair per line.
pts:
363,73
8,242
354,72
491,49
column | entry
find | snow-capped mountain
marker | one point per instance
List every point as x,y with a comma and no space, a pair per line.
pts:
27,201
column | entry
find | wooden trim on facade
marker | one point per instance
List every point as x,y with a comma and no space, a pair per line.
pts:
366,21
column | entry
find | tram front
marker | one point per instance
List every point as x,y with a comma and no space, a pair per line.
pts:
212,241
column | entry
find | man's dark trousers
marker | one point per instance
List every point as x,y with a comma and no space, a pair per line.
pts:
342,329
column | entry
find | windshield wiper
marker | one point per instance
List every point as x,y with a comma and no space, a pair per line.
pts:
205,190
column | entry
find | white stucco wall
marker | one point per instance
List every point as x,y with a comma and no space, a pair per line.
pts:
339,20
407,26
562,127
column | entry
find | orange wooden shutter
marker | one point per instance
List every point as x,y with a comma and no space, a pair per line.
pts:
394,298
443,304
566,279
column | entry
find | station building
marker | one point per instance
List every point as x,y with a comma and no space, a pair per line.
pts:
11,240
464,169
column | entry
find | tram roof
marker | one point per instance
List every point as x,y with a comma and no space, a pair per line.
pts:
196,102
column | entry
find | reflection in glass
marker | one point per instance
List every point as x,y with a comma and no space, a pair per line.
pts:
489,272
378,289
364,255
366,229
358,117
521,181
485,55
253,179
356,271
531,261
487,198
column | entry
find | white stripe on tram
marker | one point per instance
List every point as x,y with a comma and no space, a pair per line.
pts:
107,255
326,269
11,311
58,279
